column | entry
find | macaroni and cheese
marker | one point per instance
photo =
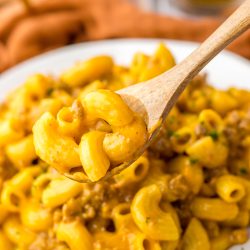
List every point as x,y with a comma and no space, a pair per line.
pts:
189,191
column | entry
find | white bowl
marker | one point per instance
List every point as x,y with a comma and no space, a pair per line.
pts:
226,70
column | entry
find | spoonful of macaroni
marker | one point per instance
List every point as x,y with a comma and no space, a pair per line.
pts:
103,132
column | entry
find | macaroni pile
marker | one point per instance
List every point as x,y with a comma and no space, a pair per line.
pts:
189,191
97,131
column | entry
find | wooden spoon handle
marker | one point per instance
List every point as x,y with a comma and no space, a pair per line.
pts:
236,24
156,97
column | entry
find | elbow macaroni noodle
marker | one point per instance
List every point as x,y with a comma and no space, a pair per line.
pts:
189,191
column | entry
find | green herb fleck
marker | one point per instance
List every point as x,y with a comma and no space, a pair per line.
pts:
171,119
147,220
243,171
214,134
49,91
176,135
193,160
170,133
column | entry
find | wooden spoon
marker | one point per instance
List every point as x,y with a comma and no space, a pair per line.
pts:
155,97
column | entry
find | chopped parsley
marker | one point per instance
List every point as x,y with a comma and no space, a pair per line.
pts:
214,134
193,160
243,171
170,133
49,91
171,119
176,135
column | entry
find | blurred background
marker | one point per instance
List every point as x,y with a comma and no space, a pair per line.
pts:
188,8
31,27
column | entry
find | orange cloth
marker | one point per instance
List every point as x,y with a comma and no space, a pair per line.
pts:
55,23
